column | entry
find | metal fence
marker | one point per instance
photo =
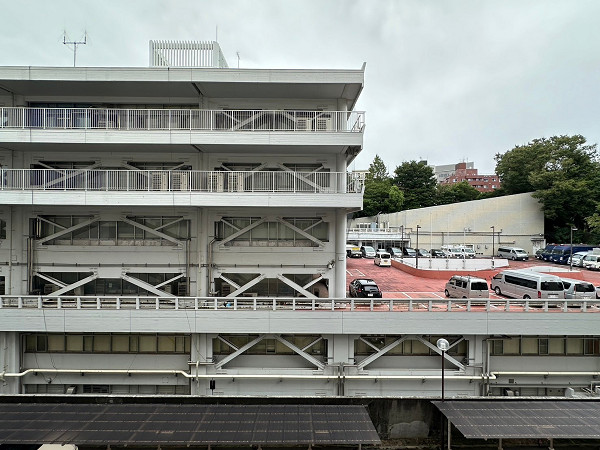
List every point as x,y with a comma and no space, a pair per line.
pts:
311,304
182,119
171,180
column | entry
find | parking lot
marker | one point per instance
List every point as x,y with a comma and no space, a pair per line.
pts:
395,283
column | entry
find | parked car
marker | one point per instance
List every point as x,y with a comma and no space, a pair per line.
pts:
578,289
547,252
562,253
577,259
353,251
538,253
514,253
591,261
597,291
367,251
423,253
460,252
466,287
410,252
364,287
394,251
437,253
382,259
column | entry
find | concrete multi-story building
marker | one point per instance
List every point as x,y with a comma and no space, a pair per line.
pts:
182,230
483,183
443,171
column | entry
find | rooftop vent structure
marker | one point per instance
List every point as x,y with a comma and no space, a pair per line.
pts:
186,54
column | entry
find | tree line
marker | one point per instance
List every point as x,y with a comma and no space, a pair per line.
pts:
562,172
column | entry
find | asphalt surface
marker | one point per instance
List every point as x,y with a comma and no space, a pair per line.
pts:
395,283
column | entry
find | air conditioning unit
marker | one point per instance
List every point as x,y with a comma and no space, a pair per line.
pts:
216,182
304,124
235,182
323,124
181,181
160,181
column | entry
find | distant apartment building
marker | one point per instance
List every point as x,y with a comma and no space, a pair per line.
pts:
464,171
446,170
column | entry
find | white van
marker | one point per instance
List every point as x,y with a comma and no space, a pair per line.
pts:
591,261
578,288
466,287
514,253
382,259
527,284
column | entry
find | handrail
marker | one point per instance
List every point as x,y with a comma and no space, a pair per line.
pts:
182,119
438,305
179,180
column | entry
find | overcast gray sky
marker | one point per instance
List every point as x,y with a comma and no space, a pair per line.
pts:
445,81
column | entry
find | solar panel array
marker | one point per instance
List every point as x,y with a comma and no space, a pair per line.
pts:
524,418
166,424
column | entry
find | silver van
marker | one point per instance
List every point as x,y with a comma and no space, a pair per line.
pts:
514,253
578,288
527,284
466,287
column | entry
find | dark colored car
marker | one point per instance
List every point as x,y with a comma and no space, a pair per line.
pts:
394,251
437,253
364,287
538,253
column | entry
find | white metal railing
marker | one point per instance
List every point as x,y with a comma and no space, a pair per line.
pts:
172,180
294,304
182,119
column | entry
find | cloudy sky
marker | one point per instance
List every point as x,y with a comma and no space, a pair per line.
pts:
445,81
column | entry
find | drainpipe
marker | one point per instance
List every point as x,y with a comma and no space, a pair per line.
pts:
210,284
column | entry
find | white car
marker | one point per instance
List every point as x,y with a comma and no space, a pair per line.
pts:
367,251
578,259
591,261
382,259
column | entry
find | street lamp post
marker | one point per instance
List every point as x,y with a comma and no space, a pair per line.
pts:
573,228
493,235
443,345
417,249
402,242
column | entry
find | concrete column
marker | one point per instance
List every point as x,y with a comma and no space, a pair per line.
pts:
339,284
203,287
9,361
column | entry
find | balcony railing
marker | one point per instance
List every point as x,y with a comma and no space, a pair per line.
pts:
171,180
450,306
182,119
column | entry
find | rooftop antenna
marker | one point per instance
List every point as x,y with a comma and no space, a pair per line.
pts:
75,44
238,55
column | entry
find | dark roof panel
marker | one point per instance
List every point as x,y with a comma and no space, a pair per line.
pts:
568,419
119,424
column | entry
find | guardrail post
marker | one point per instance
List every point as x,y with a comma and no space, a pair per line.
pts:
157,303
526,305
468,304
429,305
546,306
410,304
78,302
137,303
584,306
40,303
449,307
195,303
313,304
20,302
98,304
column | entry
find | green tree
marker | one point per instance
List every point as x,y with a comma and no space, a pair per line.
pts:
380,195
455,193
564,174
377,170
417,182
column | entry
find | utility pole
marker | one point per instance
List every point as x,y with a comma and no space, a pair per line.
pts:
74,44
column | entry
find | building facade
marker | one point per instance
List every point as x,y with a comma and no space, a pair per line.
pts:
181,231
483,183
